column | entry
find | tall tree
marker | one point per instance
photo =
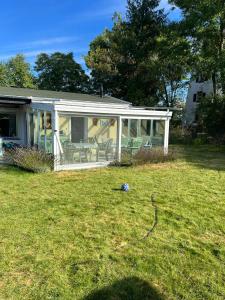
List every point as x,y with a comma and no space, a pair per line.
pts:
60,72
173,65
120,58
16,72
143,59
204,25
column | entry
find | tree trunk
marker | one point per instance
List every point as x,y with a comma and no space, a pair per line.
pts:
214,83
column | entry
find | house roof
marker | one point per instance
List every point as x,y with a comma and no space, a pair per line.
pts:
12,92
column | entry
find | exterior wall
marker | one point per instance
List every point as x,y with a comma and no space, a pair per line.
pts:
65,125
191,106
94,129
100,130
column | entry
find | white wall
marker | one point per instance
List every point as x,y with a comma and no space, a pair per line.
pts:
195,87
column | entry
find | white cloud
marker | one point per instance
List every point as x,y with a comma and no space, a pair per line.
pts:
37,43
51,41
28,54
78,53
32,48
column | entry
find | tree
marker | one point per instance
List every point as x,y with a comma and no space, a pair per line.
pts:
3,75
173,65
120,58
60,72
16,72
144,58
211,116
204,26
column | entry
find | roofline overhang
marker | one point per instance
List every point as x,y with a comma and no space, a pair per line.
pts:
14,100
78,102
131,112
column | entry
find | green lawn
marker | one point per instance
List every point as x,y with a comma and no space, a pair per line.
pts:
73,235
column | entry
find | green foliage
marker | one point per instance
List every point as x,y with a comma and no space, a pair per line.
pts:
30,159
173,65
211,115
204,26
16,72
120,58
72,235
60,72
180,135
4,80
143,59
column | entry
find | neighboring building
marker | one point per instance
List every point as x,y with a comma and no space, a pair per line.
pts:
82,131
198,88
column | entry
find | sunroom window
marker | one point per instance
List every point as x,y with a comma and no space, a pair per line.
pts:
8,125
86,139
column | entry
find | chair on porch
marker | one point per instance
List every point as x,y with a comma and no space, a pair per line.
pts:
125,142
73,154
105,149
135,146
147,143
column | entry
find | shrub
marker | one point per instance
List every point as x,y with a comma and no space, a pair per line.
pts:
144,156
180,135
155,155
30,159
126,161
211,116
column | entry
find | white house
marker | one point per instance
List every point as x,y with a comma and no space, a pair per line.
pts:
198,88
82,131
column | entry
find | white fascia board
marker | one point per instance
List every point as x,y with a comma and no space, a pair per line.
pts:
75,103
93,108
129,112
43,106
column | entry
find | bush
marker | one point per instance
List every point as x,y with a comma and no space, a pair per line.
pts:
211,117
126,161
180,135
155,155
30,159
143,156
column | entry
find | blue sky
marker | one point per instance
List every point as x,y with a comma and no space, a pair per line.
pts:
34,26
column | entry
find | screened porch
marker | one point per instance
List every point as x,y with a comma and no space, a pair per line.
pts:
80,141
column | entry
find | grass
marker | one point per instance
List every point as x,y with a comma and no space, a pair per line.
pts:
73,235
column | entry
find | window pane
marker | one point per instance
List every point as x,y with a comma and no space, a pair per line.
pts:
133,128
141,134
8,125
45,131
87,139
158,133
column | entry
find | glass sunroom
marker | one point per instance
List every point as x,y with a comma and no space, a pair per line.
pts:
85,131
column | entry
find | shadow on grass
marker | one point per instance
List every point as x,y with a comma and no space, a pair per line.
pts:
117,190
205,157
131,288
